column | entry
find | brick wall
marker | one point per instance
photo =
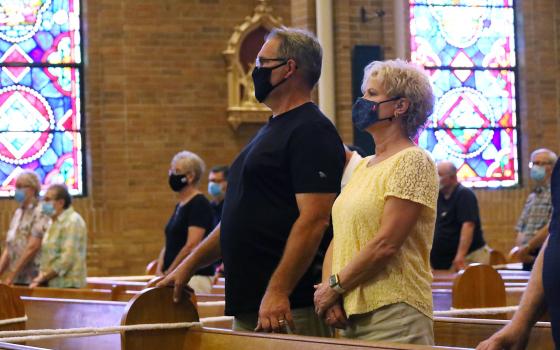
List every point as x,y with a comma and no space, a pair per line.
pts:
155,84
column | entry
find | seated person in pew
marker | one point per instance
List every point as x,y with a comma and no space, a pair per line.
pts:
280,193
383,220
458,238
532,225
190,222
542,291
20,258
64,246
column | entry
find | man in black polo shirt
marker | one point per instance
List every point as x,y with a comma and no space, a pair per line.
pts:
280,191
458,237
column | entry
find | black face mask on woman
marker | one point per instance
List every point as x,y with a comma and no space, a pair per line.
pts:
178,181
261,80
366,113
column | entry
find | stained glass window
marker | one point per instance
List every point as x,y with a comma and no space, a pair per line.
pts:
40,108
468,49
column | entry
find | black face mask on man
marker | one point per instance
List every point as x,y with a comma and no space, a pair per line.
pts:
366,113
261,80
178,181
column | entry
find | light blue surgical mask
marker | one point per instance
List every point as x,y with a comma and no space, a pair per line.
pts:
537,173
19,195
47,208
214,189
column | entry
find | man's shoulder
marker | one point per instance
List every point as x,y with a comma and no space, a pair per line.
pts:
465,192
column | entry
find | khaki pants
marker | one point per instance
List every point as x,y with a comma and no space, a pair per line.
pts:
481,255
306,320
395,323
201,284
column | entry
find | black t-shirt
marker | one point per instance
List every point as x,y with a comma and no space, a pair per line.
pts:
296,152
217,208
196,212
551,263
462,206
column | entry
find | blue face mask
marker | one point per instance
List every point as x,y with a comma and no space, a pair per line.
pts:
47,208
365,113
537,173
214,189
19,195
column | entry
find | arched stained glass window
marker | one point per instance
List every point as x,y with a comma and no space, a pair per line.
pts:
40,106
468,49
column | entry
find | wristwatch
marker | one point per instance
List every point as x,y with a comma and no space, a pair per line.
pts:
334,283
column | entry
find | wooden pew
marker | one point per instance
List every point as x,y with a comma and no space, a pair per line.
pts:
10,307
60,313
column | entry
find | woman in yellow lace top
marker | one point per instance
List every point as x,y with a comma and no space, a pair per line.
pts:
376,276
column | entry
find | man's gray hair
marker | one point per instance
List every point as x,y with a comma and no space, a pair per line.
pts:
552,156
303,47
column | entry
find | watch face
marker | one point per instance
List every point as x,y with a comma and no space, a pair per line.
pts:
333,281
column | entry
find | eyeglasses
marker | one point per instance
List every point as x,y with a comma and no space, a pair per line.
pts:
539,163
262,60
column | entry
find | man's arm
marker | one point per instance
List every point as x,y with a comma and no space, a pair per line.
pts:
467,232
301,247
516,334
203,255
533,244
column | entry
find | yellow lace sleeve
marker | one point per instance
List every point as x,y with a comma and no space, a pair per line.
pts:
414,178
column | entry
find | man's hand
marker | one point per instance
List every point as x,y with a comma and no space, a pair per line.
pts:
505,339
274,313
336,317
459,263
324,298
178,279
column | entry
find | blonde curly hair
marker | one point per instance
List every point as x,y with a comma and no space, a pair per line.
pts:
403,79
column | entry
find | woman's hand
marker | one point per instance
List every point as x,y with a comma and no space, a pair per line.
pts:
335,316
37,281
324,298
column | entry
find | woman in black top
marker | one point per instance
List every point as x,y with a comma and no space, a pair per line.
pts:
191,220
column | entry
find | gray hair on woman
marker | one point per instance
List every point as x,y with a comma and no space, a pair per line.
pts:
303,47
30,179
189,163
403,79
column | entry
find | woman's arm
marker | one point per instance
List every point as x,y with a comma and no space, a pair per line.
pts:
327,263
399,218
31,250
194,237
159,267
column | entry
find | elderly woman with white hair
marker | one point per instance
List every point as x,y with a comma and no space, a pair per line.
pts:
376,275
191,220
20,259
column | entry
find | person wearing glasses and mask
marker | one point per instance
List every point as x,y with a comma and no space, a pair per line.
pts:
64,246
532,225
191,220
280,191
376,275
20,259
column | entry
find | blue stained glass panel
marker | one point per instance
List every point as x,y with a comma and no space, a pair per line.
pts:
468,50
473,98
40,31
467,3
484,38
